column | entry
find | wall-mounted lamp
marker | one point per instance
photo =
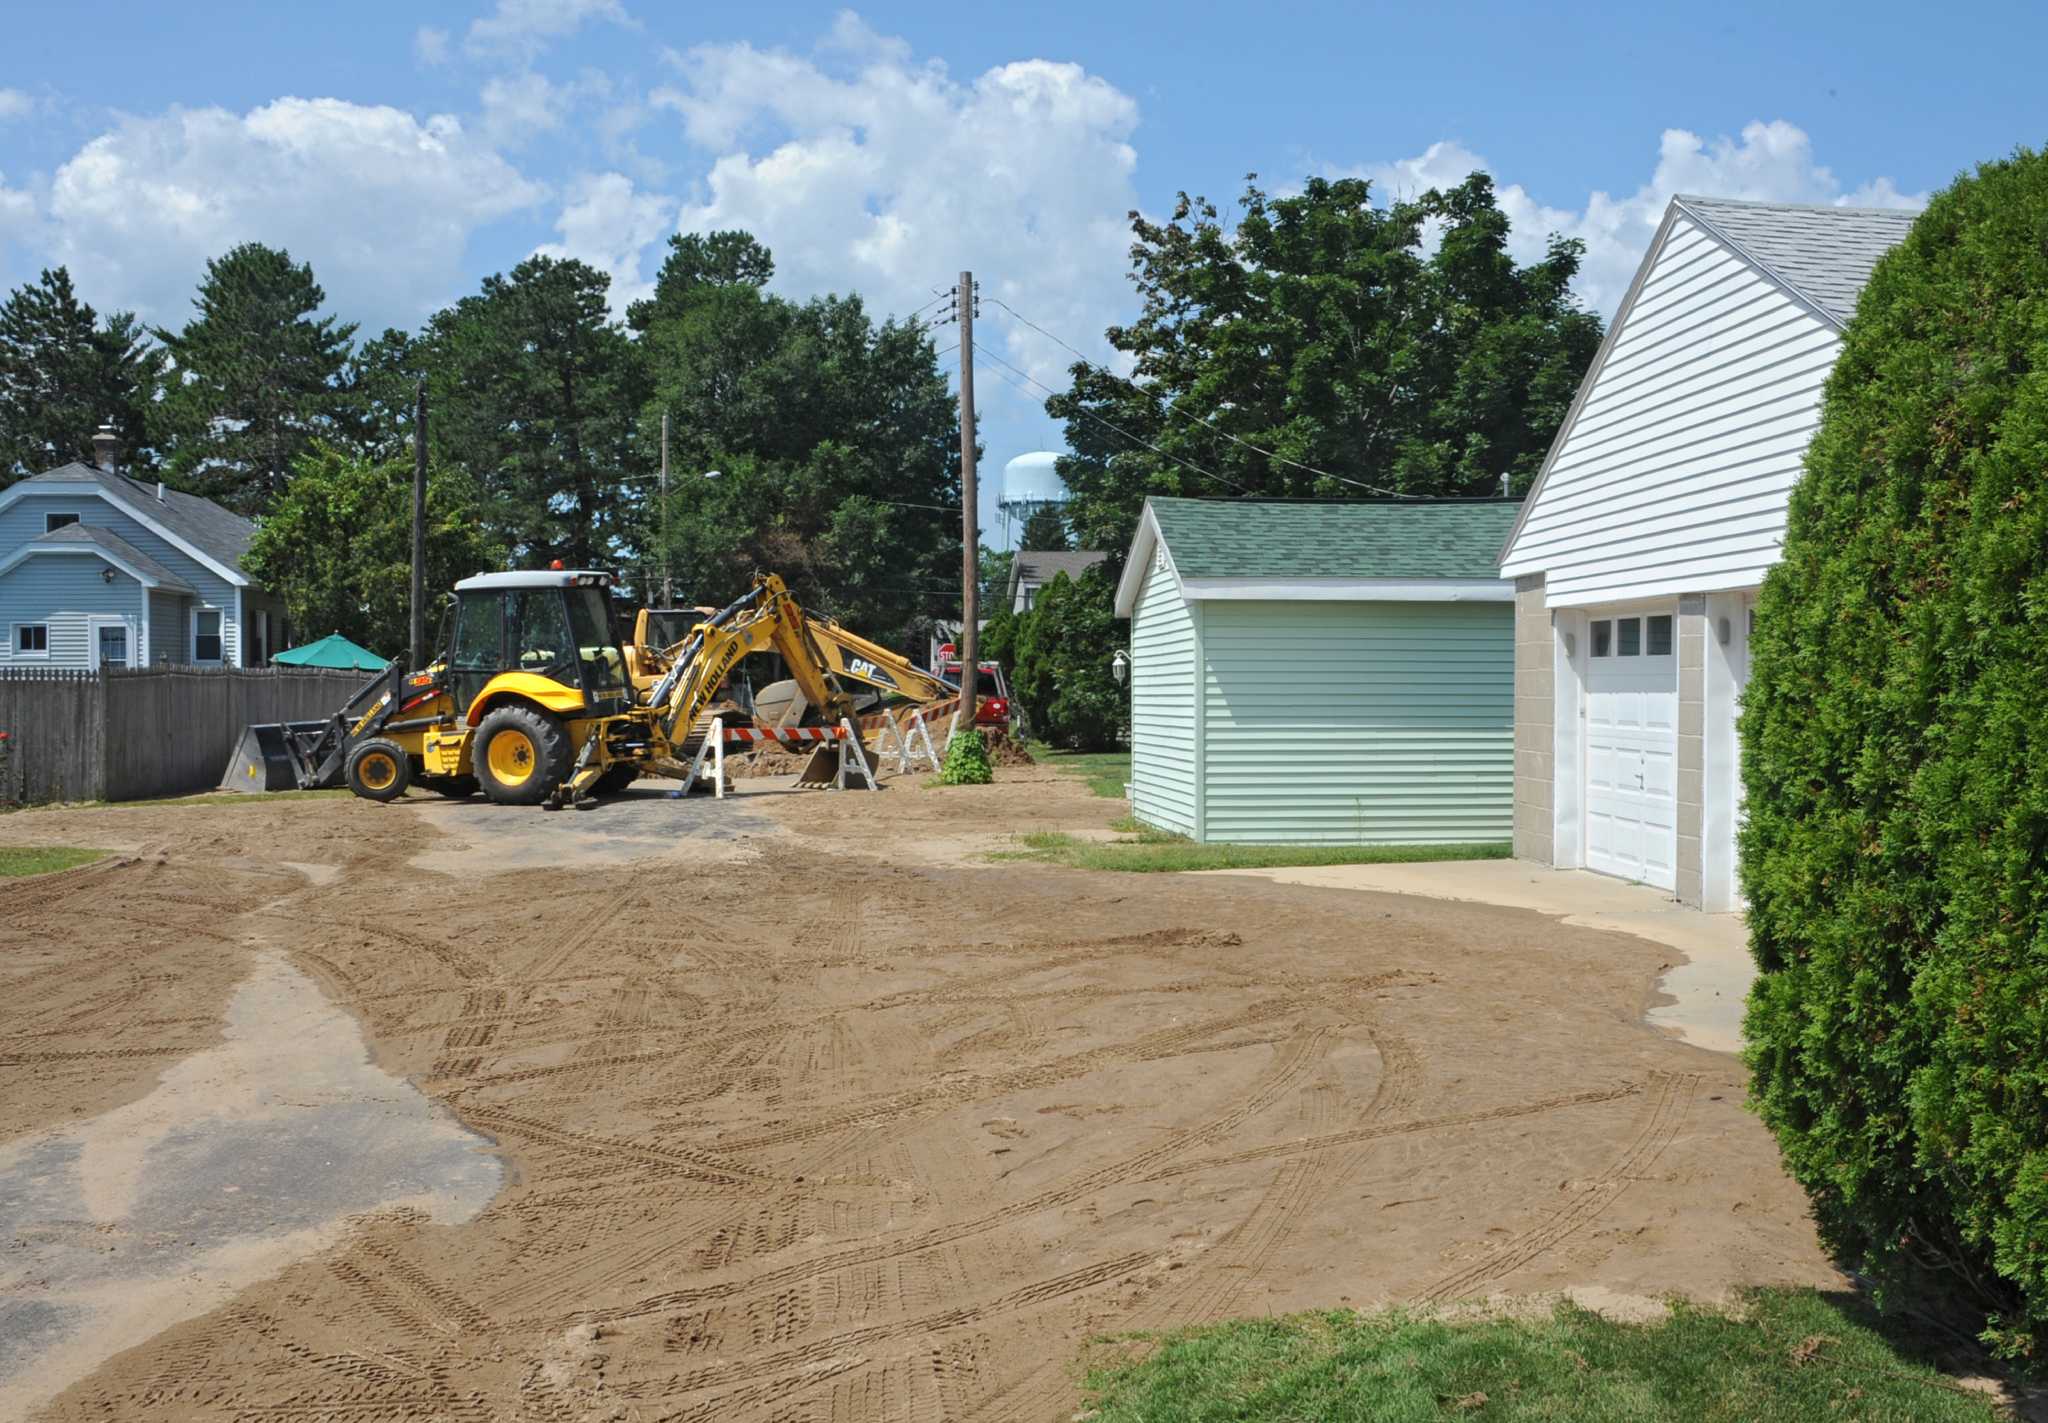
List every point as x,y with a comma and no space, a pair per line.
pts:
1120,666
1571,645
1724,630
106,575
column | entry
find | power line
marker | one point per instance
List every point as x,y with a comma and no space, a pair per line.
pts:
1136,439
1173,406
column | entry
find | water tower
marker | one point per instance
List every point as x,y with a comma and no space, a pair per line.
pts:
1030,483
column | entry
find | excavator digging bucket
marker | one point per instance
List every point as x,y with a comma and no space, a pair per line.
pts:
823,767
261,761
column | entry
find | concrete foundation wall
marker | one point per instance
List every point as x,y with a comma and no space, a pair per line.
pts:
1535,723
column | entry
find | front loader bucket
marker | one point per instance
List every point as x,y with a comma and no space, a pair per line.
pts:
262,761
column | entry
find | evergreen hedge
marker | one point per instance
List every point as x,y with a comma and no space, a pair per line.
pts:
1063,648
1895,762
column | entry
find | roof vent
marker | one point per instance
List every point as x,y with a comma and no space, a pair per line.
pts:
159,491
106,447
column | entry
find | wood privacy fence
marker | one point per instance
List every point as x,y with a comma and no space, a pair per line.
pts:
154,731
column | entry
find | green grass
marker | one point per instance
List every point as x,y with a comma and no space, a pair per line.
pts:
1105,771
1787,1356
1158,851
44,859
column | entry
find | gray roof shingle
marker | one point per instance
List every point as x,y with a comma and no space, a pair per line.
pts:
1044,565
1825,254
1416,538
113,543
221,535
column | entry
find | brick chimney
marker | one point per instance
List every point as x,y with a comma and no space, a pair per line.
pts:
106,448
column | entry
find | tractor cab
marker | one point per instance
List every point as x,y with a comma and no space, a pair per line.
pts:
554,624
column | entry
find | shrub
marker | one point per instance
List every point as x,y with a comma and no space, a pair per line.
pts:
967,762
1063,679
1895,760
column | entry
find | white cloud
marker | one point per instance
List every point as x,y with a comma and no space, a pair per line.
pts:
611,226
519,106
14,104
430,45
521,29
381,203
1769,162
866,170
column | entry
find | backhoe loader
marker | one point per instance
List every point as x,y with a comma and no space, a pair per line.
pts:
528,699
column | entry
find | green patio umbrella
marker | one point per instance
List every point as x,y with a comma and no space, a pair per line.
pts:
333,650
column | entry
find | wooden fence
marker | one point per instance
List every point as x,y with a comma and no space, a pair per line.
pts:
155,731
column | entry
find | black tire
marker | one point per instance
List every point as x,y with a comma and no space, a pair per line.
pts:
453,787
377,770
543,752
616,777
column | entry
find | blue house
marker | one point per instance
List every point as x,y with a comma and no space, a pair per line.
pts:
99,570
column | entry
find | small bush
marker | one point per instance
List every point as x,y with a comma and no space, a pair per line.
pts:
967,762
1895,760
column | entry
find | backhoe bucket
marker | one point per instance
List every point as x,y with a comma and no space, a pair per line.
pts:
261,761
823,767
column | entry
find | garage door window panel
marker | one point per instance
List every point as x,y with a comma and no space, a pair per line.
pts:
1603,638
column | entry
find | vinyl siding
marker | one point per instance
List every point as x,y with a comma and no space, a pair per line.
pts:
1358,723
1674,475
24,521
62,591
168,621
1164,652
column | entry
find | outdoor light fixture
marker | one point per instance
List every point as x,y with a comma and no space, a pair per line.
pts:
1120,666
1571,645
106,575
1724,630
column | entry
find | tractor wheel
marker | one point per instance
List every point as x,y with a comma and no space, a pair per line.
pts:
378,770
520,754
616,777
453,787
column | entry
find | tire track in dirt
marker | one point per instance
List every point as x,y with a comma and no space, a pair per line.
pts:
1671,1097
1351,1135
1289,1067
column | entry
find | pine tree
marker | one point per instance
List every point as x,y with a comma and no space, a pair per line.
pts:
64,372
1045,532
258,377
534,388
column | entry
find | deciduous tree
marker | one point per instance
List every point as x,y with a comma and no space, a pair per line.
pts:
337,545
1397,349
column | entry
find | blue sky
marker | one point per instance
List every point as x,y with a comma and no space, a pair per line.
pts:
408,150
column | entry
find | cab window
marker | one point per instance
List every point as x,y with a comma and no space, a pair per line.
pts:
590,619
540,633
480,633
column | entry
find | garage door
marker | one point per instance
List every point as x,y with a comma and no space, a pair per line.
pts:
1632,748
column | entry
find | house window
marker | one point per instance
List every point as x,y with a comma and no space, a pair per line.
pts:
206,635
31,639
1658,636
1628,637
54,522
1603,638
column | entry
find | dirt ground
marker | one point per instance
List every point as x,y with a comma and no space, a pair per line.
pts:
808,1114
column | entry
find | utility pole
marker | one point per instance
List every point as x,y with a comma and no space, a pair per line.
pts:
970,516
419,528
668,596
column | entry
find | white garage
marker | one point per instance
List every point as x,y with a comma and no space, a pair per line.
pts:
1658,511
1631,692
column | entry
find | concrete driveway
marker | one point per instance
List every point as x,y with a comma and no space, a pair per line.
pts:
1706,986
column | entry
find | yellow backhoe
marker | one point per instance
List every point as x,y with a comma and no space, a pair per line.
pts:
529,699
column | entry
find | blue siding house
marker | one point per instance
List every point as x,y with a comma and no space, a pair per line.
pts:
99,570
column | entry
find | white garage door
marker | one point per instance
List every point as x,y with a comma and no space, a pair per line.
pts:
1632,748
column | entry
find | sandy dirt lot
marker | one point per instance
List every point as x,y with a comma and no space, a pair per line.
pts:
806,1114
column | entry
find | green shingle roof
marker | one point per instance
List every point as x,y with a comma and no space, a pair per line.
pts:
1243,538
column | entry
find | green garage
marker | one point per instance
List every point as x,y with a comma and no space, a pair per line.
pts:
1322,672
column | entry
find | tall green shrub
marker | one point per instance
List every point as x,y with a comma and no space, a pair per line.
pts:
1895,759
1063,679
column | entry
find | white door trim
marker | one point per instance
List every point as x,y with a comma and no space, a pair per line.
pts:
96,621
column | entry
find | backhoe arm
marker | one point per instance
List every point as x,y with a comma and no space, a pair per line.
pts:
851,657
766,617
